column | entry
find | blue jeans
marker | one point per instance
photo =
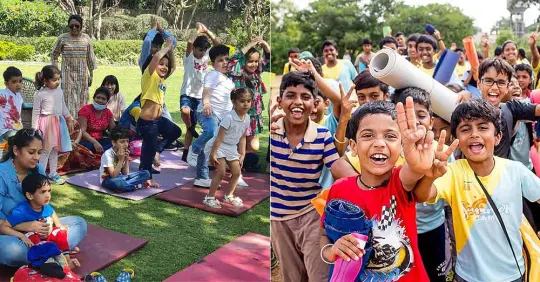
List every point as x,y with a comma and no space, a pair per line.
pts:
104,142
13,251
127,183
191,103
209,126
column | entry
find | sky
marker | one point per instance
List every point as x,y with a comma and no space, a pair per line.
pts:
484,12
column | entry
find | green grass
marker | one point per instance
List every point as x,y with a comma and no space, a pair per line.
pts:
178,236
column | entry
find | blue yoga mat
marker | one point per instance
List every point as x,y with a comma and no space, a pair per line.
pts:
445,67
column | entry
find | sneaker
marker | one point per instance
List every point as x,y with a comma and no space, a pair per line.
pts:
171,147
192,157
125,276
211,202
233,200
203,182
241,182
57,179
179,145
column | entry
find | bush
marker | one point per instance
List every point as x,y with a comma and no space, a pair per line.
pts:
124,27
31,18
12,51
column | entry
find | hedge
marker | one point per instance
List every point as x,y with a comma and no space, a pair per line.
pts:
11,51
31,18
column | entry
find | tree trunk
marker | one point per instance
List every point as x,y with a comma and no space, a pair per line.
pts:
193,13
91,19
99,15
182,20
159,7
247,11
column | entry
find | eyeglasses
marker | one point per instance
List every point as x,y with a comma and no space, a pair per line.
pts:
72,26
490,82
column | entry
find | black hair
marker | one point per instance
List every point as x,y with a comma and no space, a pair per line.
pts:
508,42
371,108
419,96
237,93
329,43
111,79
218,50
498,50
158,40
366,80
149,59
479,55
22,139
33,182
317,65
293,50
424,38
455,87
367,41
459,49
501,67
77,18
11,72
387,40
476,109
47,73
524,67
399,33
202,42
248,77
295,78
119,132
103,90
521,52
413,37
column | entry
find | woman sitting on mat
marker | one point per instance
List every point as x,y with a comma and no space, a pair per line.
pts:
23,160
95,119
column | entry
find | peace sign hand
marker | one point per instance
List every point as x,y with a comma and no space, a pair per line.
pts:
441,157
346,104
417,140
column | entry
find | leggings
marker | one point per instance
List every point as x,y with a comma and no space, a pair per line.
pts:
149,130
51,156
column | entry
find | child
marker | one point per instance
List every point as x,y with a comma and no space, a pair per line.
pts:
229,148
117,102
10,111
426,47
524,76
470,79
195,68
37,190
388,42
299,147
294,54
382,193
362,61
462,65
478,127
216,102
50,115
510,53
114,170
130,116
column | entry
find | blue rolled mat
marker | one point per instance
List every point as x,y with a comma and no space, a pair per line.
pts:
445,67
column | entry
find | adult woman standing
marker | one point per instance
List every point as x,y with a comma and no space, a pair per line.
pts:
78,64
23,160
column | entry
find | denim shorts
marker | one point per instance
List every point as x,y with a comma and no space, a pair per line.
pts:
189,102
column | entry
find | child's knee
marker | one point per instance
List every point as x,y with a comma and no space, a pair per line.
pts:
186,111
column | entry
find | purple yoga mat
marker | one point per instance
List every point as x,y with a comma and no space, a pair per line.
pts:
174,172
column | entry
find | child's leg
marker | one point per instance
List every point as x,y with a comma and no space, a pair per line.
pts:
208,124
44,159
252,143
169,131
148,129
60,238
127,183
53,162
220,174
432,246
236,170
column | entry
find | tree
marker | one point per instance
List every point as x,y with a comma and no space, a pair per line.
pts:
257,17
67,6
178,8
286,32
504,35
96,11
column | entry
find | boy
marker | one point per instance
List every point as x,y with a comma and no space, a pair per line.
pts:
339,70
11,101
524,74
478,126
299,147
402,46
388,42
462,65
470,79
195,68
413,56
362,60
294,53
216,102
114,170
426,47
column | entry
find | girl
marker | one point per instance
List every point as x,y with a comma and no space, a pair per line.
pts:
510,53
49,115
117,102
229,148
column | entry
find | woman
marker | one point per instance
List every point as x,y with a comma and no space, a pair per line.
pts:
95,119
78,64
22,160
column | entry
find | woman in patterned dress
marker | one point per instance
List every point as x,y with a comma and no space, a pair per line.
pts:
78,64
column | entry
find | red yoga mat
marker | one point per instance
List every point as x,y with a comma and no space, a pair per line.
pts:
470,51
247,258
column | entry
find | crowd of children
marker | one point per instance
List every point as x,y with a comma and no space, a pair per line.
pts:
411,196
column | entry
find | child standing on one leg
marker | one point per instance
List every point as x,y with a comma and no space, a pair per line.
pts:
114,170
49,115
229,147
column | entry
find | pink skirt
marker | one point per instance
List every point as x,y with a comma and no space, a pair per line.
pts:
55,133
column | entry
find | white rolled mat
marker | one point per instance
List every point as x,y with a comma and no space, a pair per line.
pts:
394,70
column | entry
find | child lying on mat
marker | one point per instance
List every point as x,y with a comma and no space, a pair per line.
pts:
114,169
37,190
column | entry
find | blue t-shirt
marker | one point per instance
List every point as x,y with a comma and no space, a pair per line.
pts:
23,212
326,180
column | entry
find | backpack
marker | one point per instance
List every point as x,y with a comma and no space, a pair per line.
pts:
531,251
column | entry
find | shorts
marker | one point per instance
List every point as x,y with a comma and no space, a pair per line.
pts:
191,103
227,151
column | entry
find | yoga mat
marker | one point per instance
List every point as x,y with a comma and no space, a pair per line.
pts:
470,51
535,159
394,70
191,196
445,67
174,172
100,248
247,258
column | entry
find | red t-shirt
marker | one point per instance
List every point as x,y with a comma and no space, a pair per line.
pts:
394,232
95,126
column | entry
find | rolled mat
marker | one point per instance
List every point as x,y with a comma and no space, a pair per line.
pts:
470,51
394,70
446,66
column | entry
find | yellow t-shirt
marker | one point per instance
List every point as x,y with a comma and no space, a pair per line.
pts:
428,71
461,69
333,72
287,68
153,88
536,74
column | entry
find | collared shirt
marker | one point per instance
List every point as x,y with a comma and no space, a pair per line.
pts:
295,173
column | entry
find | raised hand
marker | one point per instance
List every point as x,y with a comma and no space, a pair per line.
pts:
274,119
159,28
485,41
533,36
153,22
441,157
201,28
417,140
453,47
347,105
168,43
302,65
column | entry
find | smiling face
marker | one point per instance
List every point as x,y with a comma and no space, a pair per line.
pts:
100,98
252,63
494,93
377,145
477,139
411,49
54,82
221,63
28,157
14,84
514,89
425,51
510,53
370,94
75,27
163,67
297,102
111,87
317,114
41,197
330,54
438,126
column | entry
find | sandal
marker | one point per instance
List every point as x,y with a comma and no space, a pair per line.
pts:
233,200
212,202
125,276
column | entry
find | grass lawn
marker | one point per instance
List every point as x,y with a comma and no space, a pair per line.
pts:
178,236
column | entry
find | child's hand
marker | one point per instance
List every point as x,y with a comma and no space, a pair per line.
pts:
346,248
437,34
213,159
416,139
26,241
302,65
274,119
159,28
201,28
207,110
241,160
474,73
454,46
346,103
168,44
532,38
441,157
121,154
153,22
463,96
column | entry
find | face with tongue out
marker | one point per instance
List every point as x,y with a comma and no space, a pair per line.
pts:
297,102
477,139
494,93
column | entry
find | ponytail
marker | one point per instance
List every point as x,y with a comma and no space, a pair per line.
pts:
47,73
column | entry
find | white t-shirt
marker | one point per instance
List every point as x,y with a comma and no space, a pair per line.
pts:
108,159
194,72
235,126
220,97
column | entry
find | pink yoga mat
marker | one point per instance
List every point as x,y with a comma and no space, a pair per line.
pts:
174,172
246,259
192,196
535,158
100,248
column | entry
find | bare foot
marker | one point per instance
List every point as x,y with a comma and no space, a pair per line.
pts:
153,183
73,263
156,160
75,250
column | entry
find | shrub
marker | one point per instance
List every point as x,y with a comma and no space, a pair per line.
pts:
31,18
127,28
12,51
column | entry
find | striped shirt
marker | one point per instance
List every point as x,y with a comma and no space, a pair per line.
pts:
295,173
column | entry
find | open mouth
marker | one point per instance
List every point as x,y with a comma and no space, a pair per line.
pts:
476,147
379,159
493,96
297,112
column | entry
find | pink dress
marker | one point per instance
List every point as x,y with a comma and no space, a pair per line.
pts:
49,115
